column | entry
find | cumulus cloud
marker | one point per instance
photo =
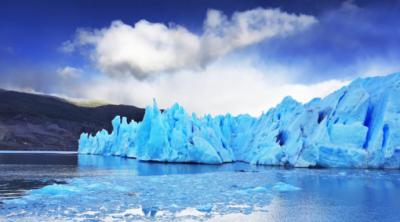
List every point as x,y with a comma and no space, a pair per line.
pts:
222,87
203,72
223,35
69,72
148,49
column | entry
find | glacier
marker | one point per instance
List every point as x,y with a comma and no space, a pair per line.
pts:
357,126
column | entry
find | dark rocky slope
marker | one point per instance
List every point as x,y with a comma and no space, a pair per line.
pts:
40,122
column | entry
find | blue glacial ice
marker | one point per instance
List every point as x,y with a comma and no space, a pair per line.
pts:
357,126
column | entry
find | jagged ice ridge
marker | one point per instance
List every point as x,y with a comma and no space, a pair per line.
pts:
357,126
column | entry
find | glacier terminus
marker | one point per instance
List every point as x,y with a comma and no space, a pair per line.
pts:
357,126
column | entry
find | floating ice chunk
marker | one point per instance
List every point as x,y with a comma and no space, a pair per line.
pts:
207,208
258,189
56,190
249,190
284,187
189,212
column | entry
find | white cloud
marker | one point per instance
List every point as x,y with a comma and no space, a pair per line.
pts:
69,72
148,49
67,47
220,88
172,64
223,35
377,66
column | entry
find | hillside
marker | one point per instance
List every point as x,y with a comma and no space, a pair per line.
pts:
40,122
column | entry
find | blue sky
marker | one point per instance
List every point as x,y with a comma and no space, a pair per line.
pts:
196,52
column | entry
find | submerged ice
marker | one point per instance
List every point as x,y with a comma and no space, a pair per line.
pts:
357,126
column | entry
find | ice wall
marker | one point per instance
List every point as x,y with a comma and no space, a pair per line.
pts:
356,126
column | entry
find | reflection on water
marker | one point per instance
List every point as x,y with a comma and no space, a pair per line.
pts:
21,172
38,158
141,168
10,189
93,188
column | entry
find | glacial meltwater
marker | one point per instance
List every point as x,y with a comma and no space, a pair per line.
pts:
67,187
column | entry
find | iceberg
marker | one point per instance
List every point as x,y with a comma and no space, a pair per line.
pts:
357,126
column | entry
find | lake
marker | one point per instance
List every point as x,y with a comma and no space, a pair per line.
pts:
71,187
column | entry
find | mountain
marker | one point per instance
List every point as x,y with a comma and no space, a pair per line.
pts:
358,126
40,122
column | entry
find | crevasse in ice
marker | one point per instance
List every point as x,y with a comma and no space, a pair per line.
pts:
357,126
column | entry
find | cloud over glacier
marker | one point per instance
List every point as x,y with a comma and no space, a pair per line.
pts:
235,86
207,71
148,49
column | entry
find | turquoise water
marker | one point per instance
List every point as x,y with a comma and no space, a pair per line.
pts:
55,187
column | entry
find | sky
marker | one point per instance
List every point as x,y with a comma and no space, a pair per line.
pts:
212,57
